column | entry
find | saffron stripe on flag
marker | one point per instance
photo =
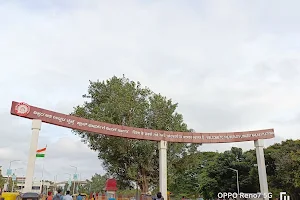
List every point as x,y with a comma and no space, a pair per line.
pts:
41,150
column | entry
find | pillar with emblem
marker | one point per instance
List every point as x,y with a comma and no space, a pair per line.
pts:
36,127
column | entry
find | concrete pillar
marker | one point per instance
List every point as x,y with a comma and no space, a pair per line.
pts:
36,127
263,181
162,146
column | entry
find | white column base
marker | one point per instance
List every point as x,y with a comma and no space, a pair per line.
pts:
263,181
36,127
163,175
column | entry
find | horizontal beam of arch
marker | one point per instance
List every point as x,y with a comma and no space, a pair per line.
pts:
68,121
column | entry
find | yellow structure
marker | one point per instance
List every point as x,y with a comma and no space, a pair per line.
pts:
168,195
11,196
84,195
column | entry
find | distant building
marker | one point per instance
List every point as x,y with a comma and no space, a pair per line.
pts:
36,185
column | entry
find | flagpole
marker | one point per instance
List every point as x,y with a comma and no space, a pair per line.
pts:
42,181
41,189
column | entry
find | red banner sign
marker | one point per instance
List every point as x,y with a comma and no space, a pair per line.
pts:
68,121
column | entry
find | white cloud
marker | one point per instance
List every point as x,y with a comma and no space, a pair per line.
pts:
230,65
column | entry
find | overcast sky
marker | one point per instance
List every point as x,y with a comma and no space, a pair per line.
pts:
231,65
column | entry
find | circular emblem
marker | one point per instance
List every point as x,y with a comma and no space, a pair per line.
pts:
22,109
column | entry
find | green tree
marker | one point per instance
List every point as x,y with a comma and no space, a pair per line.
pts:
222,179
283,168
10,184
2,180
96,184
208,173
212,169
124,102
70,187
66,188
189,168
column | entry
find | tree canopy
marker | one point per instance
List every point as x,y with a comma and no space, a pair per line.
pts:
95,184
207,173
124,102
190,173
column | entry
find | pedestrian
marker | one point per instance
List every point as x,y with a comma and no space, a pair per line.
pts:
148,196
94,196
49,197
58,195
79,197
159,196
68,196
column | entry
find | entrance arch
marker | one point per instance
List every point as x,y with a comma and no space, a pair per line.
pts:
39,115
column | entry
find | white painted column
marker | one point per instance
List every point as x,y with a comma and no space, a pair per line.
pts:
36,127
163,168
263,181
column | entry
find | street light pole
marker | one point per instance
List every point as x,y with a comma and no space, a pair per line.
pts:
55,183
13,185
12,162
137,184
237,179
69,185
8,175
74,179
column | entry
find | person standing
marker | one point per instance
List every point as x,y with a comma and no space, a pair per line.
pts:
94,196
159,196
58,195
49,197
148,196
79,197
67,196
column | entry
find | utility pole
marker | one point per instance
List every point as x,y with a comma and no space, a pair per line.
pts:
9,172
237,179
137,184
74,178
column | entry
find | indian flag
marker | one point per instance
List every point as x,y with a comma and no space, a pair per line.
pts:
40,153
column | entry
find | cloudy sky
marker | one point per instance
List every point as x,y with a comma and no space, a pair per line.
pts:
231,65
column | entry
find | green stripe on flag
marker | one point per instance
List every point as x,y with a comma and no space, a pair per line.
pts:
40,155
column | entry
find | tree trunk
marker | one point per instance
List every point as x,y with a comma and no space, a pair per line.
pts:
144,185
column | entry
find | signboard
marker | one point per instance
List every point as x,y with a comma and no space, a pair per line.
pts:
13,177
9,172
68,121
75,177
